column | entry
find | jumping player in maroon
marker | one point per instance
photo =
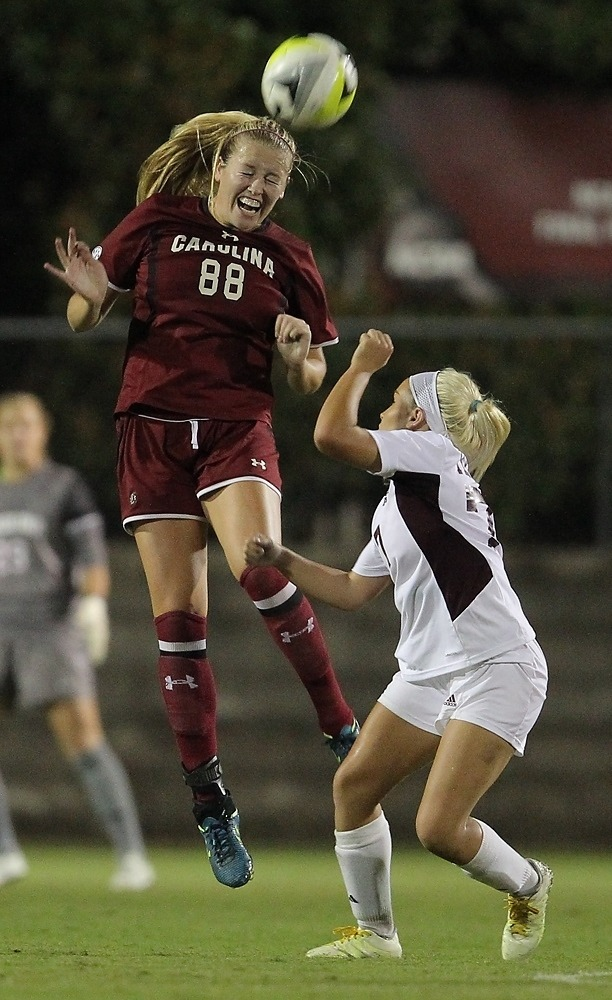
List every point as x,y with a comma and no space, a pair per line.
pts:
207,298
218,289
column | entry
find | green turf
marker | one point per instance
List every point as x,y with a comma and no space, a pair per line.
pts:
65,936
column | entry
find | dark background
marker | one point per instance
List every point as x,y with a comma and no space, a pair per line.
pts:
86,92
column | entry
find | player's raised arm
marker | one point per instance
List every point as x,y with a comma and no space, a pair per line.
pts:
88,280
306,365
337,432
341,588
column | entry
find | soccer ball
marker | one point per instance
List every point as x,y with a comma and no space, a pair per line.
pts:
309,82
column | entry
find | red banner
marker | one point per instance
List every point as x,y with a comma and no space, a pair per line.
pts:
528,180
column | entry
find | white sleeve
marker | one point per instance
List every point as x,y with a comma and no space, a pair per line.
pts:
410,451
370,562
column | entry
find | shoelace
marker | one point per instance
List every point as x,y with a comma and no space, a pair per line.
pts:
222,846
519,911
346,933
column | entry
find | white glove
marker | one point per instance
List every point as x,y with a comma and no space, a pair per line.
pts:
91,615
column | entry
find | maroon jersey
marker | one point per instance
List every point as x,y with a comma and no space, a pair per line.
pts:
206,298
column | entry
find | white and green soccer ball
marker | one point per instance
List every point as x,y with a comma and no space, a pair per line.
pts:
309,81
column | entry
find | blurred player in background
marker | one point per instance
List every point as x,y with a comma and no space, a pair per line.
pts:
217,286
471,679
54,628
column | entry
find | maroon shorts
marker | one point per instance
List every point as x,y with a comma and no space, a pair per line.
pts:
165,467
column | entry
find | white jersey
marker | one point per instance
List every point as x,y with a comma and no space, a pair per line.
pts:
434,535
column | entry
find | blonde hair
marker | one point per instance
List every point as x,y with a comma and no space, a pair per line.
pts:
185,164
476,425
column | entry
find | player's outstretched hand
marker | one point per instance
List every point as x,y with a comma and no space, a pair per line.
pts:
372,352
293,338
261,551
80,270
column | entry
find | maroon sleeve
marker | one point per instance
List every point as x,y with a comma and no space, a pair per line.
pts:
123,249
308,300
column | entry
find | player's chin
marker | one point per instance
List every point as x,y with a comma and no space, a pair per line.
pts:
247,224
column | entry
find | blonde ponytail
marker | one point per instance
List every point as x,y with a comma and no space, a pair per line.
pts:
477,426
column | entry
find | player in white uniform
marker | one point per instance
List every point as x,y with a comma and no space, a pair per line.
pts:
471,679
54,628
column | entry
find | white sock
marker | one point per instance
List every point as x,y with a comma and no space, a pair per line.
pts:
500,866
364,856
8,837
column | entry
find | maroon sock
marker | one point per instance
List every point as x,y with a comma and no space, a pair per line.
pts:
291,622
187,685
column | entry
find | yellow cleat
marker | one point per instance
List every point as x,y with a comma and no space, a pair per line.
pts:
526,915
357,942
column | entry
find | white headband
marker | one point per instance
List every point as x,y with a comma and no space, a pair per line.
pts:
423,389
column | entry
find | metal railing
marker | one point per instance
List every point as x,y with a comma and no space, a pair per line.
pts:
405,327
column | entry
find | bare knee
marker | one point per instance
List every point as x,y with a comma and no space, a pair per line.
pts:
76,725
343,785
355,797
438,835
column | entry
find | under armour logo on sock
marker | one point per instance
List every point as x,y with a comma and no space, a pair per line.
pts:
173,681
258,461
288,636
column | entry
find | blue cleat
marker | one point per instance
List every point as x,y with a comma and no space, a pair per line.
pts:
342,743
218,822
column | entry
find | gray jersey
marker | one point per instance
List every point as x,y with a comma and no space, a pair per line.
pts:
49,527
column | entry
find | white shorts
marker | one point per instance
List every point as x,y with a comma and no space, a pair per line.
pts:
504,695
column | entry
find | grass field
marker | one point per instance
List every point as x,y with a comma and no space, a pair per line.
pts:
65,936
